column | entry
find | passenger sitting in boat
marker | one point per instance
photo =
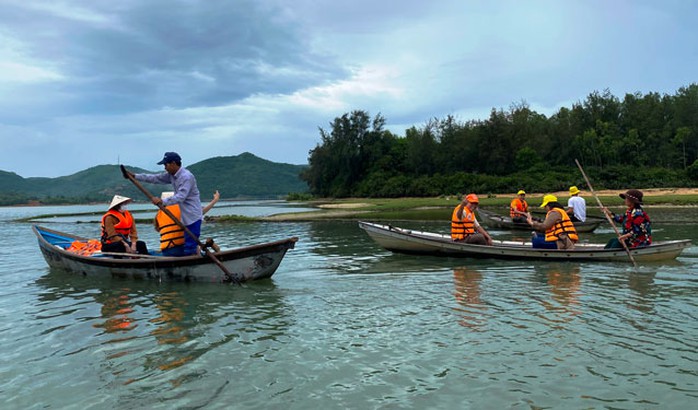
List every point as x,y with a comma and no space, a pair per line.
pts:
119,232
171,233
519,207
464,225
576,206
559,229
637,229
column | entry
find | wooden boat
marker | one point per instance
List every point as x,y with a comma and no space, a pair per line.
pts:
247,263
490,218
426,243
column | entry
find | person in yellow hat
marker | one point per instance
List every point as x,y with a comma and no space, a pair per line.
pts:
559,229
119,233
518,208
464,225
576,206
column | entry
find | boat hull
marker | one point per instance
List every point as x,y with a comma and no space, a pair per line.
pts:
248,263
426,243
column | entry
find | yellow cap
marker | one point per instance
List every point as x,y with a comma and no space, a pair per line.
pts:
574,190
548,198
521,192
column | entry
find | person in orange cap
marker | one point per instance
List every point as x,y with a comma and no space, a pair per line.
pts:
464,225
560,232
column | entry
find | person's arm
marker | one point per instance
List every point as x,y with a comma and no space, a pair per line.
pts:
161,178
480,229
216,197
551,219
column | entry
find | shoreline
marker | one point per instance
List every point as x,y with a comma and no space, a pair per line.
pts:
440,208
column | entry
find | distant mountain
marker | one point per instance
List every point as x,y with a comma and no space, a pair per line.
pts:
241,176
247,175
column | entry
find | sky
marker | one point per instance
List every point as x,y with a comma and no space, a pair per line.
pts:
86,83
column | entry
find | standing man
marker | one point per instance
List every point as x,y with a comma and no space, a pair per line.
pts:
186,195
518,209
576,206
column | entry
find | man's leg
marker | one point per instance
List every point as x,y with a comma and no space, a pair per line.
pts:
539,242
190,244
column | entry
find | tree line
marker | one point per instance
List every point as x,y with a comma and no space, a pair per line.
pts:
644,140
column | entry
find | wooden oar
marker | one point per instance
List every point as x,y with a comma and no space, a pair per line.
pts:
229,277
608,217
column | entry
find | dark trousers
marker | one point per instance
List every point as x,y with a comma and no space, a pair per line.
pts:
174,251
539,242
119,247
190,244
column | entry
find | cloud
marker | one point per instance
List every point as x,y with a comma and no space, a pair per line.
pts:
86,83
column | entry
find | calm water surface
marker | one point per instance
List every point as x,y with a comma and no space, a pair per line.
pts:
345,324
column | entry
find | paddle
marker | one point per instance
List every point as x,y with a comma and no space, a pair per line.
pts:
608,217
229,277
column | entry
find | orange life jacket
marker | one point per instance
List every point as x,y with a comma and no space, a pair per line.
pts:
462,227
564,226
517,205
123,227
85,248
171,234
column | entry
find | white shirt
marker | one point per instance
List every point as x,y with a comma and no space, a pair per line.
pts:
580,207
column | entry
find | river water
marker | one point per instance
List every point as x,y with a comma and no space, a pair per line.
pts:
346,324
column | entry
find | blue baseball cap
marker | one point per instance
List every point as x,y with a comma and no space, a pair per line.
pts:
170,157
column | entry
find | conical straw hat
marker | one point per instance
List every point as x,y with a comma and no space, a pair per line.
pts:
118,200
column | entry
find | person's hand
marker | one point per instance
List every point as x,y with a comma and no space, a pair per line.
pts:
156,200
133,247
216,196
127,174
129,249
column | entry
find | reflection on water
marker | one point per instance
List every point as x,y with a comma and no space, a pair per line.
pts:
346,324
116,308
143,331
642,283
564,282
467,293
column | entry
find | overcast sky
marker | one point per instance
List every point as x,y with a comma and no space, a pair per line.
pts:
85,83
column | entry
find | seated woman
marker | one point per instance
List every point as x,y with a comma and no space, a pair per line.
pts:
119,232
637,229
559,229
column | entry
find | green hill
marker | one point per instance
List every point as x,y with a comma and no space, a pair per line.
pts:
242,176
246,175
